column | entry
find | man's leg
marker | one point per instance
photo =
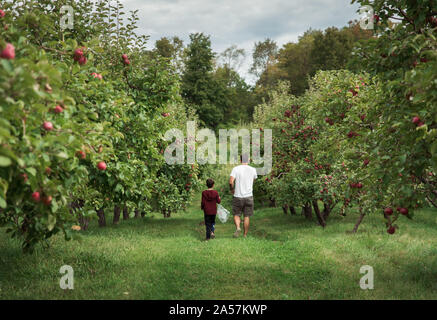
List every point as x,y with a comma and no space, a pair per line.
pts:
248,212
246,225
236,210
237,221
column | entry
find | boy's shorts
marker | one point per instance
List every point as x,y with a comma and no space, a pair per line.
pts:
242,205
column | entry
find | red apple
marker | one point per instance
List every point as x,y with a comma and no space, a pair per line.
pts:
2,13
391,230
78,54
36,196
101,166
8,52
388,211
47,200
83,60
48,170
58,109
352,134
376,18
81,154
404,211
47,125
165,114
126,62
416,120
124,56
366,162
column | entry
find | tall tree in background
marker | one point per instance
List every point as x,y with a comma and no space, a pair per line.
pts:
264,65
264,54
296,62
232,58
332,49
240,97
171,48
199,87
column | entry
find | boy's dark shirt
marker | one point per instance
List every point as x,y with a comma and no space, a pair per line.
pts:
210,198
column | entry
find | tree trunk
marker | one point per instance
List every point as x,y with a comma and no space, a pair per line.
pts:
285,208
168,214
78,204
102,219
83,222
326,211
318,214
308,211
360,219
137,213
272,203
116,215
143,213
292,210
125,213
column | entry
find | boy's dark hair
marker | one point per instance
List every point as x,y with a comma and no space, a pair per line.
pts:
244,158
209,183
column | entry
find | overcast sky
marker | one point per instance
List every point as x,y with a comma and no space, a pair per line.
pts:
239,22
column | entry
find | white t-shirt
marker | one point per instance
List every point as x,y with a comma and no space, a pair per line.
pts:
244,176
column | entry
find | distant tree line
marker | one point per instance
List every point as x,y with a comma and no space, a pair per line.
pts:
213,85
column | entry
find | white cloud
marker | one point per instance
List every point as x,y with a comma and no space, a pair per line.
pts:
240,22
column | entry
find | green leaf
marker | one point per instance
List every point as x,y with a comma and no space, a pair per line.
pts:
51,221
62,155
5,162
7,65
31,171
2,203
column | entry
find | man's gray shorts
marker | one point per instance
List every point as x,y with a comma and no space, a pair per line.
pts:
242,205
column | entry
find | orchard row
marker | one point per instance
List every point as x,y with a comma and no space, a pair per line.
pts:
82,125
364,139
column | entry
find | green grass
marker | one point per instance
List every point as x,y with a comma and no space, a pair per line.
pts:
285,257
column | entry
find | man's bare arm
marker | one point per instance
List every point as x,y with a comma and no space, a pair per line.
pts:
231,184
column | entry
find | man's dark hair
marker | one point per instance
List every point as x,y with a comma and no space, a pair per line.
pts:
209,183
244,158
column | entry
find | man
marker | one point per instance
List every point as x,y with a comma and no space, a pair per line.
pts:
241,185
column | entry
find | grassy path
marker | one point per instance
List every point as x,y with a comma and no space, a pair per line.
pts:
285,257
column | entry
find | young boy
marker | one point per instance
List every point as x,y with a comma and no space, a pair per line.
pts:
210,198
